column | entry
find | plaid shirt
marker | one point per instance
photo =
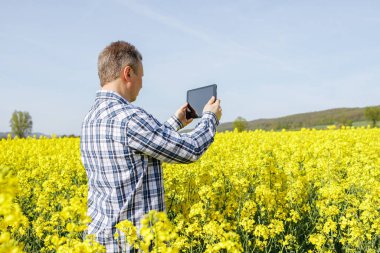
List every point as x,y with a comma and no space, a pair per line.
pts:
122,147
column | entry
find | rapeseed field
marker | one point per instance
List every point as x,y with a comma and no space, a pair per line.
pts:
257,191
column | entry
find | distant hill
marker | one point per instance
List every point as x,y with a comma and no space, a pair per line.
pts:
319,119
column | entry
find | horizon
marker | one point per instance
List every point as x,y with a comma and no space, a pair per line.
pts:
222,123
269,59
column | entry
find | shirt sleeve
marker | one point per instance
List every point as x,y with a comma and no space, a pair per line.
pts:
145,134
174,123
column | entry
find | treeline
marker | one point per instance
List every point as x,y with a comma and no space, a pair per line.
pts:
21,122
321,119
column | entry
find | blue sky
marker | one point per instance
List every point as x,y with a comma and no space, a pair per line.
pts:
269,58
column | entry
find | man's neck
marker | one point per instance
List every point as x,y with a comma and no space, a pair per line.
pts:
116,86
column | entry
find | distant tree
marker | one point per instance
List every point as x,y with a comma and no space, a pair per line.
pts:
346,122
21,124
240,124
69,136
283,125
373,114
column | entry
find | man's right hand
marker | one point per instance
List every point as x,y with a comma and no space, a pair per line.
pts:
213,106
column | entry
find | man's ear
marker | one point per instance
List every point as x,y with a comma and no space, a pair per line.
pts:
126,73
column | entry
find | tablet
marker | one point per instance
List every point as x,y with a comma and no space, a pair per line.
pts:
197,99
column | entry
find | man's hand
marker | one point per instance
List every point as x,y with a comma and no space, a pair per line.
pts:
213,106
181,115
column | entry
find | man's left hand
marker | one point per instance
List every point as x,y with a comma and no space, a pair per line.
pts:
181,115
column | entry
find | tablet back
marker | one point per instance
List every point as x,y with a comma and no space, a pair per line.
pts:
198,98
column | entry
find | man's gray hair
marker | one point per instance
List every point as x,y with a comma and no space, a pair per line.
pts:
114,58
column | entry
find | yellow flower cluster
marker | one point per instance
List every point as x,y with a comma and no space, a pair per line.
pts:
43,199
301,191
262,191
156,234
12,222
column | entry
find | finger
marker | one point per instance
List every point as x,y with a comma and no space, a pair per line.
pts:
217,102
183,108
211,101
189,120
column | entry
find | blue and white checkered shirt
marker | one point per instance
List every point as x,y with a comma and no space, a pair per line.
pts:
122,147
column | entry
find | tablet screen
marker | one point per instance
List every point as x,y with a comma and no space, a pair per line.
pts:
198,98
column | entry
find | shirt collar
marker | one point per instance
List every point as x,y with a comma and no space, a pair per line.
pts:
107,94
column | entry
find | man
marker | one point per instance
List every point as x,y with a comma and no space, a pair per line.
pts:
122,146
